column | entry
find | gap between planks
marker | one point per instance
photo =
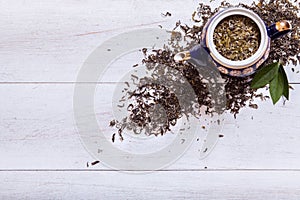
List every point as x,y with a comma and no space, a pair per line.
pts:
70,83
161,170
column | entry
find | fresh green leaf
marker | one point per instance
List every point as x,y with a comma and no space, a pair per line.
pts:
276,87
265,75
285,82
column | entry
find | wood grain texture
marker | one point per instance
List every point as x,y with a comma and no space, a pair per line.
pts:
42,48
48,42
213,185
38,131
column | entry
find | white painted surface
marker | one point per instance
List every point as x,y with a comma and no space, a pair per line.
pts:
38,131
42,47
202,185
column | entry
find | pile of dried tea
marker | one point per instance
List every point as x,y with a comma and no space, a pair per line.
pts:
287,48
237,37
237,90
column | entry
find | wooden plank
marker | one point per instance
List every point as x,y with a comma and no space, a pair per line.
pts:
38,132
215,185
40,43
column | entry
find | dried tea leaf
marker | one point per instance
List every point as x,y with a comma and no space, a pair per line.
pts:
237,37
95,162
265,75
167,14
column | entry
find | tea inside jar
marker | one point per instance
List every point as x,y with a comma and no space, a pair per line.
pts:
237,37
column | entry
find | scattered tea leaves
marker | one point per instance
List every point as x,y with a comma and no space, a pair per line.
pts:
167,14
112,122
113,137
92,163
239,91
283,49
95,162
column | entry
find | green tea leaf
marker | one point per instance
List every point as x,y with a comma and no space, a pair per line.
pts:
276,87
265,75
286,87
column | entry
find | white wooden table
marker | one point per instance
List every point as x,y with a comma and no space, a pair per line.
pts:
43,44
